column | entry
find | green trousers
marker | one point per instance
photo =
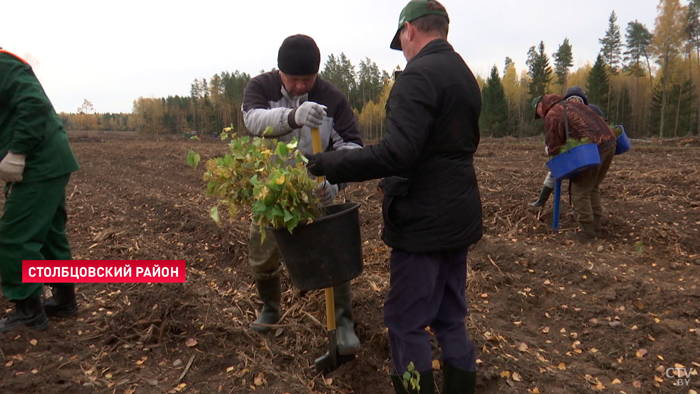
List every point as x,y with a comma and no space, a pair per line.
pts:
265,259
32,227
585,188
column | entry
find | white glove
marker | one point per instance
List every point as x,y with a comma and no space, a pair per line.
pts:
326,192
546,150
310,114
12,167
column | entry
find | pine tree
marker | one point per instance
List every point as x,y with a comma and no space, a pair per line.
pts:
612,44
563,60
494,110
598,84
539,70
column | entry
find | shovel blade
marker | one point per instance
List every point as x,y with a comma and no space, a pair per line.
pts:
332,359
329,362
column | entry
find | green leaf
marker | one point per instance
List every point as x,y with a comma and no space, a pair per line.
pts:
282,150
193,159
214,213
268,130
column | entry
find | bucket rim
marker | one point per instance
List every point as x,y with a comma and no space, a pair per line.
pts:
352,206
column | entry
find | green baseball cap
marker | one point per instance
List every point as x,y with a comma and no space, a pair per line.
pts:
412,11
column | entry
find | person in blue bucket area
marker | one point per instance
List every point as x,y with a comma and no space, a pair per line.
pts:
583,122
574,93
427,151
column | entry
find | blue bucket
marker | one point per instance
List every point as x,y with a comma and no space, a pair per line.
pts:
574,161
623,142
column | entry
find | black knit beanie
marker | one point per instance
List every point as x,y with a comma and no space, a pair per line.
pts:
299,55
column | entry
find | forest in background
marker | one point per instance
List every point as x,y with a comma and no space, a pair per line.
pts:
646,80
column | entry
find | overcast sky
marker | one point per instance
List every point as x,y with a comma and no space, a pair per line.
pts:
112,52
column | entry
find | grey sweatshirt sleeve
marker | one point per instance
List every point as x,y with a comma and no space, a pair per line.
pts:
258,119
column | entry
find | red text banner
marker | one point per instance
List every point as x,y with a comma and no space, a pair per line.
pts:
103,271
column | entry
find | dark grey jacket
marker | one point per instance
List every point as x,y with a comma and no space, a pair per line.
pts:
431,198
266,101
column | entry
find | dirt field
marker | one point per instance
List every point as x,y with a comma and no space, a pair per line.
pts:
548,315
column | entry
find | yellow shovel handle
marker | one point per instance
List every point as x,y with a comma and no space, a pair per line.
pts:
330,302
317,147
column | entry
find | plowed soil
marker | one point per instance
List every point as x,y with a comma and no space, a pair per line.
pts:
548,314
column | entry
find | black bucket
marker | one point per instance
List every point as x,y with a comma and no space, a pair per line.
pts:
325,253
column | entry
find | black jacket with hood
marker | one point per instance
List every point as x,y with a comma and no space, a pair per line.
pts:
431,198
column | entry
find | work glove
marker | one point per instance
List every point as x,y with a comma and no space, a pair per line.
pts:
314,165
12,167
309,114
326,192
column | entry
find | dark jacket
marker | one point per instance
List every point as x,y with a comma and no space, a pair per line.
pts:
29,124
431,198
266,103
583,123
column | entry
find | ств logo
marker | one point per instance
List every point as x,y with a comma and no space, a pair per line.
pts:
681,375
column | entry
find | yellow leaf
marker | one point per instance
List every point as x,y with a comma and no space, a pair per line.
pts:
436,364
191,342
33,342
692,392
616,381
259,380
9,363
534,390
516,377
641,353
651,338
505,374
660,357
229,369
523,347
280,179
562,367
637,384
545,330
329,381
658,379
594,350
35,371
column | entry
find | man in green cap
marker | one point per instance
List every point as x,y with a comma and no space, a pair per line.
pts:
36,163
432,134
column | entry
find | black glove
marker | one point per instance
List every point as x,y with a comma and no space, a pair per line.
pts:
315,164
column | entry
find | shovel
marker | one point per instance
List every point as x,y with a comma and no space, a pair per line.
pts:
332,359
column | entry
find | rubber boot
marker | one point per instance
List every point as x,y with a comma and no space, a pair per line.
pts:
587,233
28,313
347,341
426,383
458,381
597,227
544,196
270,291
62,302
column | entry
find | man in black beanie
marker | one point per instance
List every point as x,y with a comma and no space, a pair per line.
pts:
292,100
